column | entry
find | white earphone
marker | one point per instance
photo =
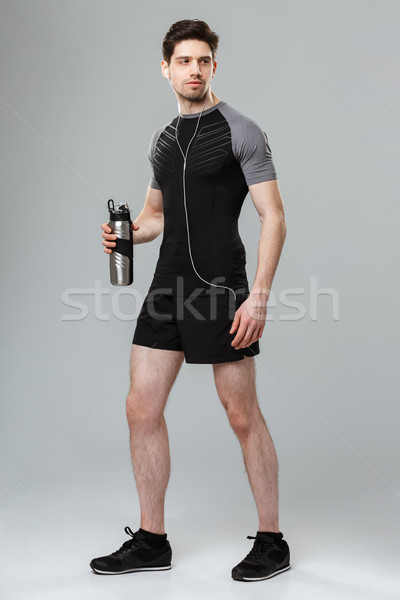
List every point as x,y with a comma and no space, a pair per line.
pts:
168,73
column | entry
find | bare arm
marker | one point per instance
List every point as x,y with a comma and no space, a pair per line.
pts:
267,199
250,317
147,225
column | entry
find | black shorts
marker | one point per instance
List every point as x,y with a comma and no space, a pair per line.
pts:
199,326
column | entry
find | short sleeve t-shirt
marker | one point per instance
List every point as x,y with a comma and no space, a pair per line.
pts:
228,153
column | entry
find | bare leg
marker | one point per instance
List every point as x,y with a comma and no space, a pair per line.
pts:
236,387
152,372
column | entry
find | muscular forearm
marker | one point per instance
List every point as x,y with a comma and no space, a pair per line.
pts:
151,224
272,237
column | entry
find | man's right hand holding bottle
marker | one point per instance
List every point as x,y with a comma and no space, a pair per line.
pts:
110,237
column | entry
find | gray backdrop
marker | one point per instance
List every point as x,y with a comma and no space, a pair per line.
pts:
81,93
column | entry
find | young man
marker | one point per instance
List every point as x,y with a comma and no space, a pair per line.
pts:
199,306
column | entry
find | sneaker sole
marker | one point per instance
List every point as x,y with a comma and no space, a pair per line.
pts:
241,578
131,570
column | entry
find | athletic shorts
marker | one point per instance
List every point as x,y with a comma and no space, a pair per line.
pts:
199,326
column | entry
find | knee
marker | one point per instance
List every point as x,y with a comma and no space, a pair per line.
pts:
142,412
241,421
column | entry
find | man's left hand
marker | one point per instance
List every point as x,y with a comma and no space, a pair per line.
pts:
249,320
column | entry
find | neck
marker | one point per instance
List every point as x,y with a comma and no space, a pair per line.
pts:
188,107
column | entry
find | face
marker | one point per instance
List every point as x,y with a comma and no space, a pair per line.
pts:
191,62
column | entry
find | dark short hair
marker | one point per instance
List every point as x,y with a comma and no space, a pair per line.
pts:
188,29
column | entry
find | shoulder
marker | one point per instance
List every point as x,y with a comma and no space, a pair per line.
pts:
238,121
250,146
155,137
247,135
156,134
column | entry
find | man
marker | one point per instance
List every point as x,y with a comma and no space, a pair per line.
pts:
199,306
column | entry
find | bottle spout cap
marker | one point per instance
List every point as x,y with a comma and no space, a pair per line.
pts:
120,212
122,207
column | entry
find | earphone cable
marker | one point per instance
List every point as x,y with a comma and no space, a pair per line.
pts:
184,197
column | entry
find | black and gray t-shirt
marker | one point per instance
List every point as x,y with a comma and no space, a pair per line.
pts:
229,153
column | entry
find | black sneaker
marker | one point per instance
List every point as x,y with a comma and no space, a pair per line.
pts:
134,555
269,556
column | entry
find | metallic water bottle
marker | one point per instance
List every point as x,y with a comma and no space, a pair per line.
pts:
121,257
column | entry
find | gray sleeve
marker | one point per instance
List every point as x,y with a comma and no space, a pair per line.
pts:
153,183
250,146
252,150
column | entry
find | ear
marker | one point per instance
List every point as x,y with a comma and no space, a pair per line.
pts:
165,70
215,68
